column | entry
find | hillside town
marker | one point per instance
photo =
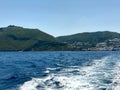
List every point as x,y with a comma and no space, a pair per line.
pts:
108,45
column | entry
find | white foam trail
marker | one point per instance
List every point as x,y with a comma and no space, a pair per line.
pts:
99,76
116,79
47,71
50,69
31,85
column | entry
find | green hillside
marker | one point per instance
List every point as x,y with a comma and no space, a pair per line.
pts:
88,39
14,38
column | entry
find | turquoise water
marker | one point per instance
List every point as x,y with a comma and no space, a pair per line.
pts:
60,70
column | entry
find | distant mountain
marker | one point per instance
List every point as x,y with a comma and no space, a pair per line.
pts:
14,38
88,39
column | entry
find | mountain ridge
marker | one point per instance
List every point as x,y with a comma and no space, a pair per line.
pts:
86,40
16,38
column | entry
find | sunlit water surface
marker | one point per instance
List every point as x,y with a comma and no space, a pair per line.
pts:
60,70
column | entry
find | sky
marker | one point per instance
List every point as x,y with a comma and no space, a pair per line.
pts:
62,17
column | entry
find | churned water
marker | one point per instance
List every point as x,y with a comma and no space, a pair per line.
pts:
98,70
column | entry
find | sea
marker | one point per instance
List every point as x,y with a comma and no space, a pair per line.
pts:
61,70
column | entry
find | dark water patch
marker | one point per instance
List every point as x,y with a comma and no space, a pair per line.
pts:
105,81
102,89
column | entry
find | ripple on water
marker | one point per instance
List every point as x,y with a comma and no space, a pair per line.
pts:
101,74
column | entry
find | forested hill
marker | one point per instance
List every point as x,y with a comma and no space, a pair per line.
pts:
14,38
91,39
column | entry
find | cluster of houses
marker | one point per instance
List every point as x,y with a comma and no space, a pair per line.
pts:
109,45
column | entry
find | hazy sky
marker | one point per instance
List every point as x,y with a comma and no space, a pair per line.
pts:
62,17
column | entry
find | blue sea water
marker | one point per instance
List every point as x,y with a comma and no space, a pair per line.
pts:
88,70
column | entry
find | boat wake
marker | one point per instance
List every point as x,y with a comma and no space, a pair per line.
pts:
102,74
